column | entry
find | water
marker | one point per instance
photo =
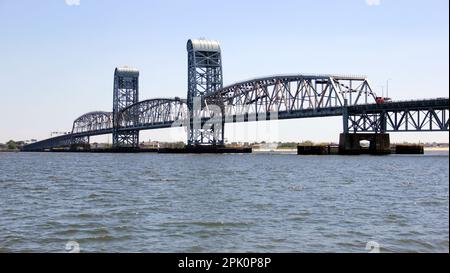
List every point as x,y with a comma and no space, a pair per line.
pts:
223,203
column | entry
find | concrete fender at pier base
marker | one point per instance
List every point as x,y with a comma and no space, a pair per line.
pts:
349,144
205,149
409,149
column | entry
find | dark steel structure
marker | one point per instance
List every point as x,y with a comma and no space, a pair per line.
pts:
405,116
126,93
293,93
153,113
204,79
283,96
92,121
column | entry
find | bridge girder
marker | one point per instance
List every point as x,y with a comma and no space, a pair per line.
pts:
429,115
153,112
293,93
92,121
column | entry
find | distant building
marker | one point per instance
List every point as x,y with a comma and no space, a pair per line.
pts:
100,145
150,144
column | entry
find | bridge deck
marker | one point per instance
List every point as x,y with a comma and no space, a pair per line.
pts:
417,105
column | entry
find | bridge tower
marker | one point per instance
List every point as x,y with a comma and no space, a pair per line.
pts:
126,93
204,78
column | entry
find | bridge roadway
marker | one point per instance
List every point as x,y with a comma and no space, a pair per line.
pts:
429,107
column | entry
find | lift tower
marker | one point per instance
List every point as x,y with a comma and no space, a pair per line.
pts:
126,93
204,78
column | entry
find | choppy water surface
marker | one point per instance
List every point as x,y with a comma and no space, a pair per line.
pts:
223,203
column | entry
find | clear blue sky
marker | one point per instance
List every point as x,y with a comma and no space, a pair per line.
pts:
57,60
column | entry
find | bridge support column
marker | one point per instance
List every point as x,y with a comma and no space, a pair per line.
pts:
350,144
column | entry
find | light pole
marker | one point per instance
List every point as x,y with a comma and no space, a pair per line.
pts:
387,87
382,90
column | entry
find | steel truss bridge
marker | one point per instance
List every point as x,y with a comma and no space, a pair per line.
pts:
275,97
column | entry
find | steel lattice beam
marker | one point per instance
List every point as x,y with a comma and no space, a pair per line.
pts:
153,113
295,92
93,121
400,121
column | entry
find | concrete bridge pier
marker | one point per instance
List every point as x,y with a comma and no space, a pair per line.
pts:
350,144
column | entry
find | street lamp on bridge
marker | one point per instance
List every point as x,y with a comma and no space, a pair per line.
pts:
387,87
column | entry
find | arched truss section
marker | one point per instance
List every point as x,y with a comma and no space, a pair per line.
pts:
294,93
93,121
153,112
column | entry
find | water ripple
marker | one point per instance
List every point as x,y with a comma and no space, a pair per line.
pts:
223,203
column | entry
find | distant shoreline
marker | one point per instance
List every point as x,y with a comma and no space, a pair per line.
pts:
287,150
426,149
436,149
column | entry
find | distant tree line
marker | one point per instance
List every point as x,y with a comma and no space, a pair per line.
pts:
287,145
12,145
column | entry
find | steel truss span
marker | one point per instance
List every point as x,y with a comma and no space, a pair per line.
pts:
293,93
289,96
417,116
154,113
93,121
